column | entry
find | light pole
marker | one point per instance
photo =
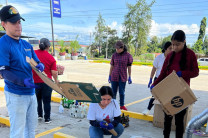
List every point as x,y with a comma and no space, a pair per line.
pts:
106,50
52,27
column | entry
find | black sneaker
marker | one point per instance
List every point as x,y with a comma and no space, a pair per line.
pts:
40,117
47,121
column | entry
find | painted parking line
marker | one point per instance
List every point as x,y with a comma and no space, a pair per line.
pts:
62,135
138,101
48,132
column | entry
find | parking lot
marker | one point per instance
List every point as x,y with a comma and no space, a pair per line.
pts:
136,100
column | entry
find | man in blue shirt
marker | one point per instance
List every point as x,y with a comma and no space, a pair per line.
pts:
17,73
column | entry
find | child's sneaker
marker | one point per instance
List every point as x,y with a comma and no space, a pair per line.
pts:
40,117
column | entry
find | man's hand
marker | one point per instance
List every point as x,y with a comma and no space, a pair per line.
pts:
40,66
29,84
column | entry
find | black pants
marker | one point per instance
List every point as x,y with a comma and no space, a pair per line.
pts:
179,117
43,94
150,105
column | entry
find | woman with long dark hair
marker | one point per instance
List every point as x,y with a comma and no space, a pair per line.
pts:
182,60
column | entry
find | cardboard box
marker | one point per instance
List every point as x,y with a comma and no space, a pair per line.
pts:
158,117
174,94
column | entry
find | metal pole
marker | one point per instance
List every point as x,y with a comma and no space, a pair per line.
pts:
52,27
6,2
106,54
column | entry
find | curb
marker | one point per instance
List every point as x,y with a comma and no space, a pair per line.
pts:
62,135
4,120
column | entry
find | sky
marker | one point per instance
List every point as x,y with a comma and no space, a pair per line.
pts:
79,17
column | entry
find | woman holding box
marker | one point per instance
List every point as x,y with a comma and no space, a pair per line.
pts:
105,117
182,60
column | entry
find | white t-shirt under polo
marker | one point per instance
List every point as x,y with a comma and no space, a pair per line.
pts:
158,63
95,112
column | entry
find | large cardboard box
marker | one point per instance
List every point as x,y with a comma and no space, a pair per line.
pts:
174,94
158,117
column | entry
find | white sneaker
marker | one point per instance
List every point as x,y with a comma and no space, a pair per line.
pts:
146,112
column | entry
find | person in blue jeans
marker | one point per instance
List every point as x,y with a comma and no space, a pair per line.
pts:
19,87
121,62
105,116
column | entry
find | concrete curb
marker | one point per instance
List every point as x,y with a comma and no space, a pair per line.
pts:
4,120
61,135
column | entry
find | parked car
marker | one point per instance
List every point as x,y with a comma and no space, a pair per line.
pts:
203,61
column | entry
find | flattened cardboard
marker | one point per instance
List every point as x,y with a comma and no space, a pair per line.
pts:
69,90
73,92
47,80
89,89
174,94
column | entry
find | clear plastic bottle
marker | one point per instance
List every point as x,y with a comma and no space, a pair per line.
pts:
61,108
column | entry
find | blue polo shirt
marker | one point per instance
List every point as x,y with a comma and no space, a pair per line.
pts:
13,54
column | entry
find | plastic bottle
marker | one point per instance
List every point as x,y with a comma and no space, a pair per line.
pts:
61,108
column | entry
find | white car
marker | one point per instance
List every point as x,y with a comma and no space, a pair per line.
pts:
203,61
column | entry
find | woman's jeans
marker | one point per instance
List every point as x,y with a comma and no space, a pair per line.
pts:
43,94
22,111
121,85
97,132
179,117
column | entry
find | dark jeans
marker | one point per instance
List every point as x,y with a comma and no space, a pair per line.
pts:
150,105
43,94
179,117
121,85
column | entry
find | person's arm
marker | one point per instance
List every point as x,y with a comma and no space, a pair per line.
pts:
55,75
194,69
10,76
111,69
153,72
116,121
163,71
129,70
95,123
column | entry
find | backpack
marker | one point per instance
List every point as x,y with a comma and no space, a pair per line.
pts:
125,120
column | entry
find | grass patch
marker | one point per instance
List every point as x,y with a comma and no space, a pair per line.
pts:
139,63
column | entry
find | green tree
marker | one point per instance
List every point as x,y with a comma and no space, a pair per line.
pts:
110,37
74,46
137,25
197,47
99,32
164,40
202,28
205,45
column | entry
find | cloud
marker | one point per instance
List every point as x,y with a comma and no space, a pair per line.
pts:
31,7
167,29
